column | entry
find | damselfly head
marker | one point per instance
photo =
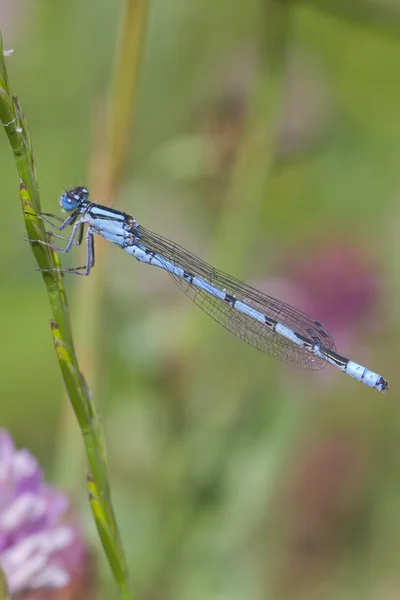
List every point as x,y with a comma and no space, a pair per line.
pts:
73,199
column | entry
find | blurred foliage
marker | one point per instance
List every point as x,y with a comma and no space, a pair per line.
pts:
234,475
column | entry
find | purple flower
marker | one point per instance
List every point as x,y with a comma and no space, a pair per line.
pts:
38,548
336,282
342,283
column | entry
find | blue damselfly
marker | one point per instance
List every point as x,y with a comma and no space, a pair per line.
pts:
268,324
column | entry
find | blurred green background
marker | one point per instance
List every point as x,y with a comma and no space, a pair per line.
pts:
234,476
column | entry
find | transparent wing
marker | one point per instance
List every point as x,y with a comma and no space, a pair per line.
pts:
244,327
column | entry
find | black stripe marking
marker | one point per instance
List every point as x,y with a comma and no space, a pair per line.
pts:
337,359
270,322
188,276
150,253
231,300
307,343
108,214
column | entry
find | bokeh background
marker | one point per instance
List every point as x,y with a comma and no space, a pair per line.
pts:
233,475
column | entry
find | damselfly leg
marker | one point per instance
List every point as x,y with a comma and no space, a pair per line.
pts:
75,238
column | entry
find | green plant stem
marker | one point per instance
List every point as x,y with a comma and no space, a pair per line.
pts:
18,134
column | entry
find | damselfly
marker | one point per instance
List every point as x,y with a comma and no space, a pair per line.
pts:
267,324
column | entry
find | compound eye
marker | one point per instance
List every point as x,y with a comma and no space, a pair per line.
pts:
73,199
69,202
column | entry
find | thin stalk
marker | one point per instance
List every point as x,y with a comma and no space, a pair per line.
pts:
16,128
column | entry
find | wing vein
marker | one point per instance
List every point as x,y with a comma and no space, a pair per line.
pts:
243,326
